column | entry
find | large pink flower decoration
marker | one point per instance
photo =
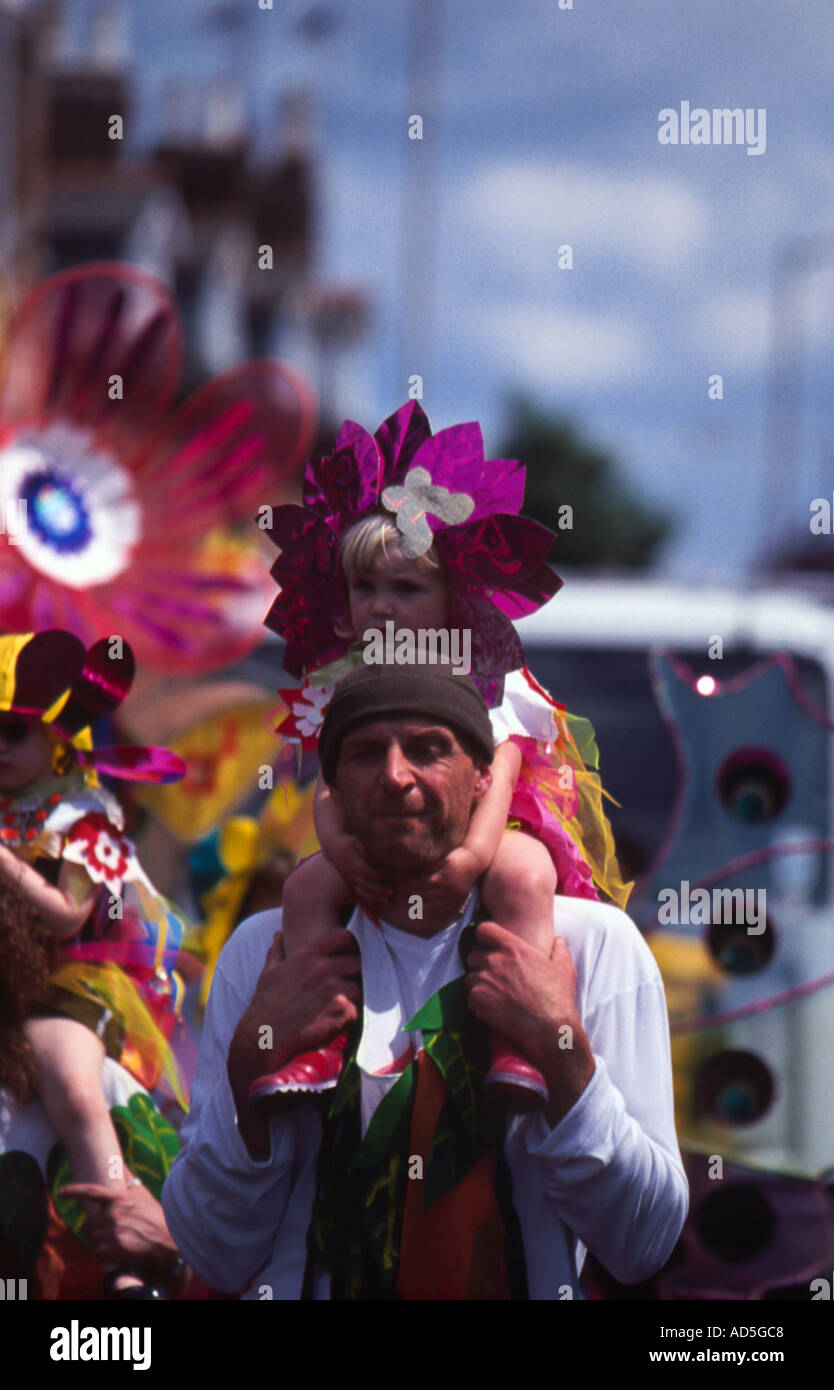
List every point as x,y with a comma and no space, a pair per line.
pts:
128,505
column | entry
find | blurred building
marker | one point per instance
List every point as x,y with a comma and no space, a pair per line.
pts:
233,237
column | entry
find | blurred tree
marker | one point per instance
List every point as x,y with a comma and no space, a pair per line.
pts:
609,526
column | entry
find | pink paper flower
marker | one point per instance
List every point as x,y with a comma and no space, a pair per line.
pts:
106,855
307,708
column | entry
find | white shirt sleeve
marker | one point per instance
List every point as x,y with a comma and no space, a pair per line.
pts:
522,711
215,1196
612,1165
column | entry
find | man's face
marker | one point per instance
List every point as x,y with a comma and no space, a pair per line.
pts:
407,789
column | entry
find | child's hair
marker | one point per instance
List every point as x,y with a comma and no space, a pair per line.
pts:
365,546
28,955
367,542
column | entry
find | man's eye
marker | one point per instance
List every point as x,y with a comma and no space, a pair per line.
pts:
406,586
426,748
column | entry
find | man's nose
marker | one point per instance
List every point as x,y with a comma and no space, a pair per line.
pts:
397,769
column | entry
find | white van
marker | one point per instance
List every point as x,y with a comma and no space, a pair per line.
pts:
591,645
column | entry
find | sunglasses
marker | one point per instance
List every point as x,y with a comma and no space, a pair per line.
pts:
14,728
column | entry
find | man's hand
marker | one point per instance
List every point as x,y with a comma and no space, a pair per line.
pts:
369,883
125,1227
306,999
531,999
449,886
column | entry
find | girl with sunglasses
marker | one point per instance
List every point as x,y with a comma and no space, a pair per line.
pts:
62,847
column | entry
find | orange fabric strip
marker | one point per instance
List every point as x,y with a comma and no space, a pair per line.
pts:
455,1249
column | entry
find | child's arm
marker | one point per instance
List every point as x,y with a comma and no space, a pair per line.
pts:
489,819
464,865
61,916
344,850
328,817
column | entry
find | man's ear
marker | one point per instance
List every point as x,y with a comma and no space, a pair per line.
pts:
483,782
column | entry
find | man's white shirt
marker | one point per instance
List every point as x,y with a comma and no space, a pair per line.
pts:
608,1178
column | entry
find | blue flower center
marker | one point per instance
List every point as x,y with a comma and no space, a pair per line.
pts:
56,511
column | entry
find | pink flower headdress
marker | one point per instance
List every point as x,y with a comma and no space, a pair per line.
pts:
436,488
128,504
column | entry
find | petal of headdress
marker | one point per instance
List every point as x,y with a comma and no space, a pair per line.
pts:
309,632
501,490
344,486
400,439
503,558
307,544
454,458
496,646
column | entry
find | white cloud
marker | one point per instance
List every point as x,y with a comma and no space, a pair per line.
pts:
562,348
733,331
642,217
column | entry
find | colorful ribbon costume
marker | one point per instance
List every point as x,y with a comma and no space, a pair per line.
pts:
118,973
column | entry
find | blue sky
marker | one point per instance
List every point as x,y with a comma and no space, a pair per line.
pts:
542,132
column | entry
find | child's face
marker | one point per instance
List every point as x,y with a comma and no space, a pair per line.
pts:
398,590
25,752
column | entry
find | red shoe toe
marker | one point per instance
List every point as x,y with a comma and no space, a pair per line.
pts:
311,1073
514,1083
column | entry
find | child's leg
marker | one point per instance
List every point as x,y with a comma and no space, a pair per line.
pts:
314,895
518,893
518,888
68,1057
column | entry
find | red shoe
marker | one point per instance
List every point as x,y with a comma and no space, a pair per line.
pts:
311,1073
512,1082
